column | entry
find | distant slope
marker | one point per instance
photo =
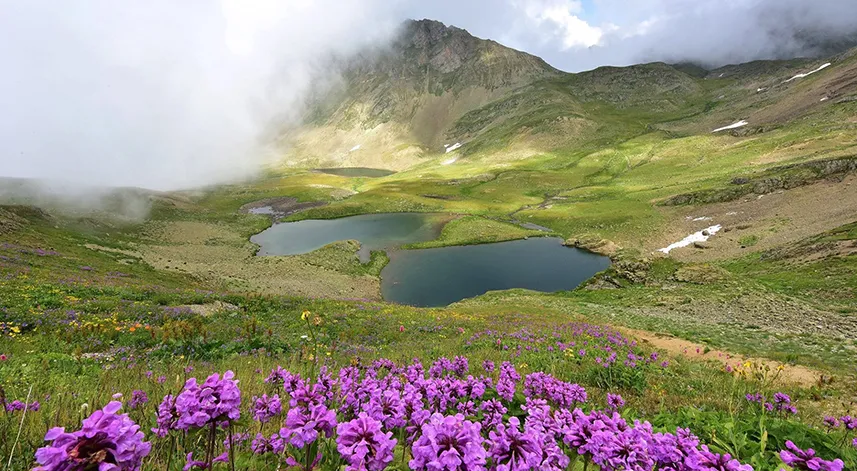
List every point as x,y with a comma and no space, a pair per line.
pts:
435,86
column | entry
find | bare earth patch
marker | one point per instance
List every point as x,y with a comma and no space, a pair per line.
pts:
757,223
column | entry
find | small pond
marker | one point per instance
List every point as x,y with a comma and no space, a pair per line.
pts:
356,172
439,276
374,231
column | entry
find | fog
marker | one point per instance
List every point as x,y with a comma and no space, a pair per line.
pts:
167,94
163,94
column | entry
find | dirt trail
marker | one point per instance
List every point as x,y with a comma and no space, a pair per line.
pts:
791,374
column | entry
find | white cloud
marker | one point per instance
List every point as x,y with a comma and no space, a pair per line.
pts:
163,94
562,17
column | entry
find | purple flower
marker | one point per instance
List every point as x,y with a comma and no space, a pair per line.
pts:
388,408
138,399
488,366
513,450
107,441
492,411
615,401
363,445
216,400
831,422
262,445
806,460
303,426
449,443
168,417
706,460
507,381
757,397
849,422
626,450
265,408
16,405
782,398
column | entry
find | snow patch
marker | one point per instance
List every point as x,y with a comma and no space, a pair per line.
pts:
702,218
760,89
357,147
732,126
453,147
449,161
824,99
800,76
695,237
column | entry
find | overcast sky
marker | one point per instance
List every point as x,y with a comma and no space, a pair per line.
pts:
575,35
172,94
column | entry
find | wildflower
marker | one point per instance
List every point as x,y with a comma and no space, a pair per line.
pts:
107,441
401,328
303,425
806,460
706,460
262,445
168,417
161,379
16,405
757,397
449,443
138,399
3,357
615,401
850,423
265,408
214,401
363,445
831,422
488,366
512,449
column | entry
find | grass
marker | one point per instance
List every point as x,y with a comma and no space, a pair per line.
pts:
470,230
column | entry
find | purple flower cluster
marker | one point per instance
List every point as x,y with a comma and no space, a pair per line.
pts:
364,445
16,406
214,401
138,399
107,442
447,419
806,460
266,408
449,443
781,403
561,393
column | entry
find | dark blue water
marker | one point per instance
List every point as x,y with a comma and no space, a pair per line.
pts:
374,231
437,277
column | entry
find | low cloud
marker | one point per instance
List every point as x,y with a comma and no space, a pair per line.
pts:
575,36
163,94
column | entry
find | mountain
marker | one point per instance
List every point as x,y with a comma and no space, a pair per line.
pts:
435,85
407,95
